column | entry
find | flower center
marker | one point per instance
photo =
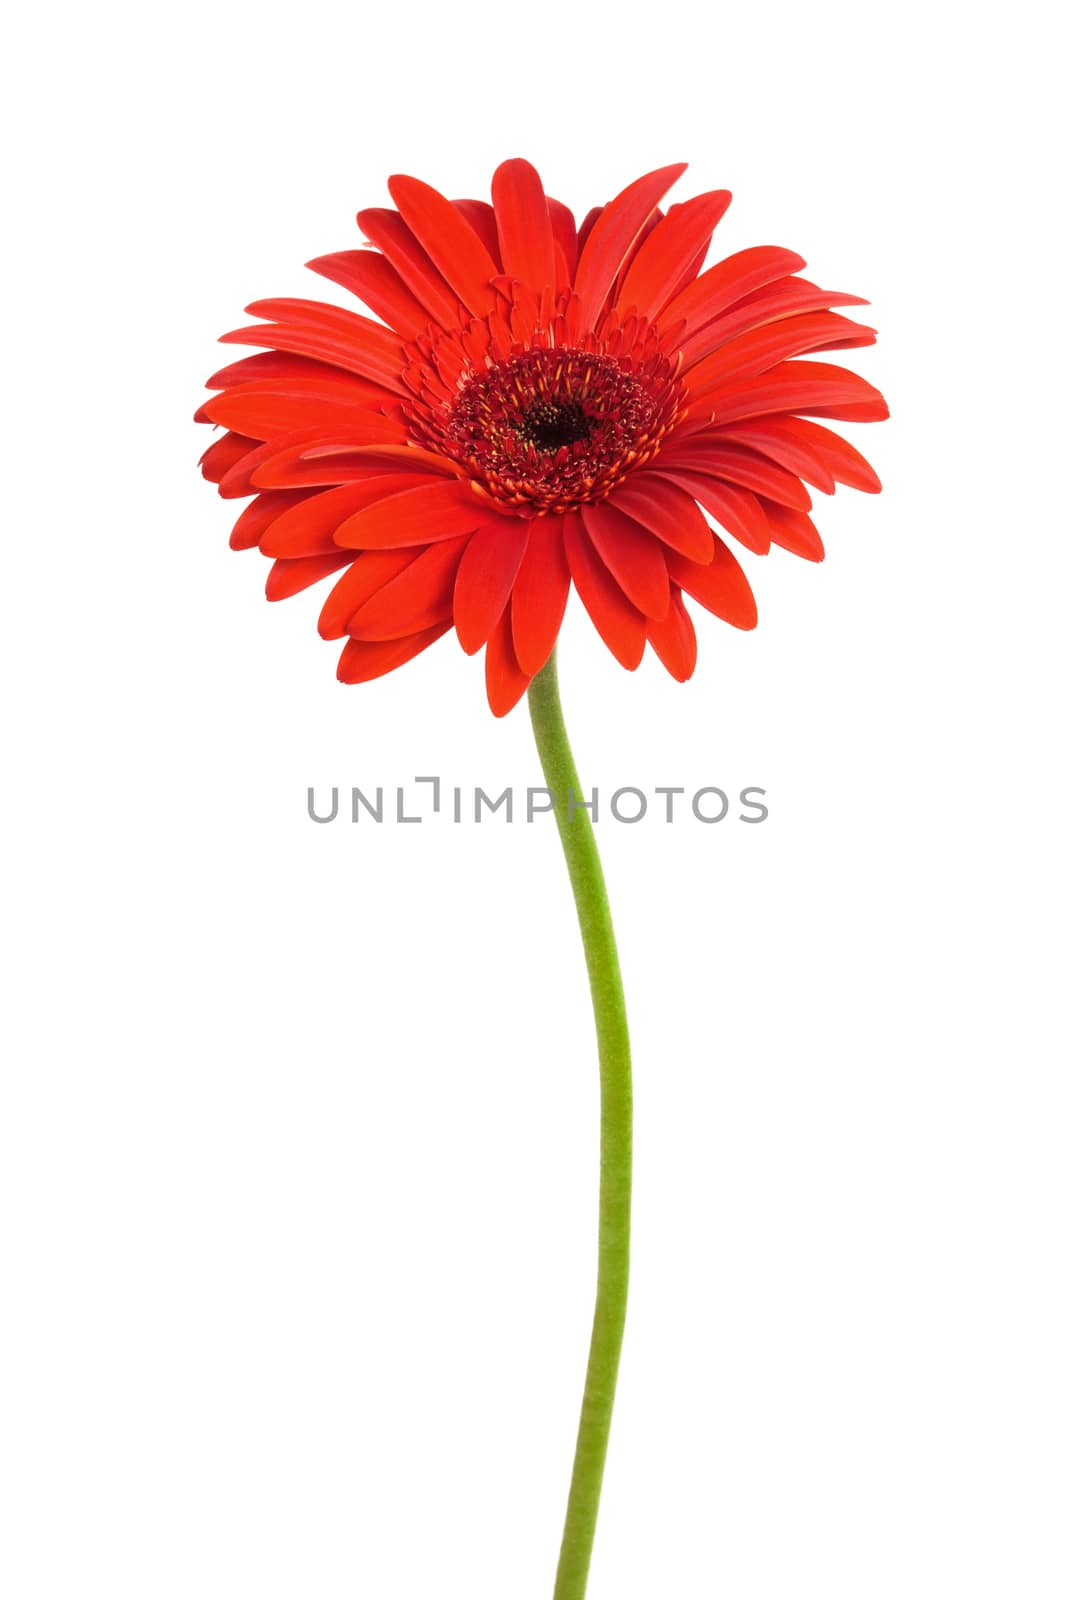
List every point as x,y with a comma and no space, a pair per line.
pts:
549,427
542,425
551,424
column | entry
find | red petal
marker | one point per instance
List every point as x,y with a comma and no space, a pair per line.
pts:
865,411
264,411
659,265
348,325
632,555
317,461
674,639
786,297
754,352
225,454
794,294
369,572
258,516
562,219
360,661
419,597
739,465
693,270
588,223
653,222
619,624
839,458
782,440
794,532
612,235
270,364
418,516
800,386
238,480
308,528
668,511
721,586
485,577
324,345
527,243
505,681
737,510
729,281
287,578
449,241
314,379
539,596
370,277
378,343
482,218
402,250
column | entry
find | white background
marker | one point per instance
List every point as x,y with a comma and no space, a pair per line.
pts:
299,1127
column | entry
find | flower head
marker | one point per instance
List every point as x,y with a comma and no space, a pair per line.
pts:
537,405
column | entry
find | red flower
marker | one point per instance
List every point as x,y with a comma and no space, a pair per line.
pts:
538,404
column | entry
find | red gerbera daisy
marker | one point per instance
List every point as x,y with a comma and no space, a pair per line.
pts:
539,404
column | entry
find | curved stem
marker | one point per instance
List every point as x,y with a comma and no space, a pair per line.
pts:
616,1131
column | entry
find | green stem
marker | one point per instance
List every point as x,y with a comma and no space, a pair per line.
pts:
616,1131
